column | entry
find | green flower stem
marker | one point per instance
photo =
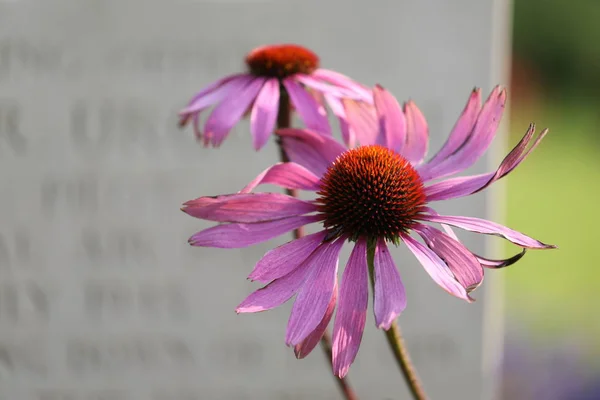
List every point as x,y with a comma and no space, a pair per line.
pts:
284,121
396,341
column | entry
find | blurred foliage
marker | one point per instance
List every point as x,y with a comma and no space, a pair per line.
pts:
553,196
560,40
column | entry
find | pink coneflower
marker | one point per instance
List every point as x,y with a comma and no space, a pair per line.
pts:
371,196
274,71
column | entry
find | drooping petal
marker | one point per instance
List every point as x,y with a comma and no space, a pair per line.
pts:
363,121
389,294
314,297
230,111
343,81
392,124
277,292
307,107
489,228
466,185
215,92
264,113
463,264
436,268
304,348
288,175
283,259
236,236
247,207
351,316
313,151
477,142
461,131
417,134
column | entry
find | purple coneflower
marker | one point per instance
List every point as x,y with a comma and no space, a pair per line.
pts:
274,71
371,196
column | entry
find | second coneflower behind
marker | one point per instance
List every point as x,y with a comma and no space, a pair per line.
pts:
372,196
276,73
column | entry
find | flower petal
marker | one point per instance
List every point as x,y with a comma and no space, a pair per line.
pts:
288,175
337,107
326,88
502,263
236,236
313,151
417,134
264,113
215,92
277,292
343,81
304,348
489,228
389,294
466,185
392,124
436,268
283,259
461,131
247,207
363,121
477,142
230,111
307,107
314,297
463,264
351,316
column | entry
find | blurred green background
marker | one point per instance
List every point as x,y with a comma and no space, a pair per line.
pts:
553,298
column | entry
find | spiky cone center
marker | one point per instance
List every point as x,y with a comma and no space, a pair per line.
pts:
280,61
370,192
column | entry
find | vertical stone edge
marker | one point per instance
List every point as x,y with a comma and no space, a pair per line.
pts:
494,309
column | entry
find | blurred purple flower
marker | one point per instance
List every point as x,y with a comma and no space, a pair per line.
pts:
369,195
274,71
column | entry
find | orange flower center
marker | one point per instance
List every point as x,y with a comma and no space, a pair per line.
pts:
370,192
280,61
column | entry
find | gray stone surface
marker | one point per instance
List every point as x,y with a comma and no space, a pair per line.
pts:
100,296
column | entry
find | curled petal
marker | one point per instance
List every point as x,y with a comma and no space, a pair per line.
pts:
352,310
287,175
463,264
417,134
466,185
264,113
314,297
389,293
307,107
247,207
304,348
313,151
502,263
236,236
436,268
489,228
283,259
